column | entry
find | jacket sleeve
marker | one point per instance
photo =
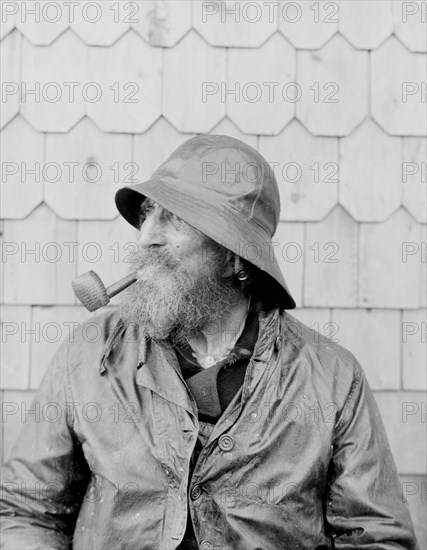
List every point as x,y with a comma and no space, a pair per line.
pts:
365,508
46,476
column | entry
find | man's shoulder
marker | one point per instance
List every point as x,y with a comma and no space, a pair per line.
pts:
90,339
97,329
324,359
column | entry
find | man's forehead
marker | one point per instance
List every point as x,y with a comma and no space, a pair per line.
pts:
148,202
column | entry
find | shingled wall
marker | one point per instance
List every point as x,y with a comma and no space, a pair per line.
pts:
333,94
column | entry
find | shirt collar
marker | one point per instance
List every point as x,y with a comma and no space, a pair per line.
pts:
242,349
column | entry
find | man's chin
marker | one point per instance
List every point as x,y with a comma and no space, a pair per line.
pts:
145,306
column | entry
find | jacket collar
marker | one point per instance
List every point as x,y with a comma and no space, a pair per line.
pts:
119,333
164,380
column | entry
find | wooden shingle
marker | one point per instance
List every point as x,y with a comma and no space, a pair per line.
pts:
130,98
8,21
413,336
228,128
42,22
366,24
243,24
162,23
17,340
414,177
306,169
308,25
398,91
403,414
22,167
330,277
40,267
258,85
101,23
423,270
10,58
193,75
370,173
390,257
334,88
373,336
47,70
87,167
410,24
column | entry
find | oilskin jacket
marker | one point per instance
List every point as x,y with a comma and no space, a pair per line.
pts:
298,460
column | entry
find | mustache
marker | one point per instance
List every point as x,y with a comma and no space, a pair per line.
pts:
160,257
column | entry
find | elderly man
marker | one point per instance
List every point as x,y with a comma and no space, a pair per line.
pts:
205,416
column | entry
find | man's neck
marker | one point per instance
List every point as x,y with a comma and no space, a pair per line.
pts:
217,340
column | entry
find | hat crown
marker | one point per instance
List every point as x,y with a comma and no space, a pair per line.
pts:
228,170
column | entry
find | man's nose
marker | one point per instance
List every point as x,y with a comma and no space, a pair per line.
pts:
152,232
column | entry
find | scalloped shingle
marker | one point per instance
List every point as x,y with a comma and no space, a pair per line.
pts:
390,260
308,25
399,89
101,23
86,164
22,151
258,83
410,24
10,57
373,336
243,24
330,276
306,169
193,73
370,173
366,24
129,77
57,105
42,22
43,266
334,88
162,23
414,177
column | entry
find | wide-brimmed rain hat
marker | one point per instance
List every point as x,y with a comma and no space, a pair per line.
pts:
225,189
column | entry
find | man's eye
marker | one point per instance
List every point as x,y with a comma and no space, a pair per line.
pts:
146,209
165,216
177,220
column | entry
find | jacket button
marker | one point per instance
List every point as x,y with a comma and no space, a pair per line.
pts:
226,442
195,492
205,545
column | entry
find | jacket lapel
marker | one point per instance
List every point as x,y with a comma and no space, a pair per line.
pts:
160,373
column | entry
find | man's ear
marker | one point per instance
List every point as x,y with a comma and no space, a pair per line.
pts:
238,264
233,265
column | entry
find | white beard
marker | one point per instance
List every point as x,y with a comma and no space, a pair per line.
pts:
169,301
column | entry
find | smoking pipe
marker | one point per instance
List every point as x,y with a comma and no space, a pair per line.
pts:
92,293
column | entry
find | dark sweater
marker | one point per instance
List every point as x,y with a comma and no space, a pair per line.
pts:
214,388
